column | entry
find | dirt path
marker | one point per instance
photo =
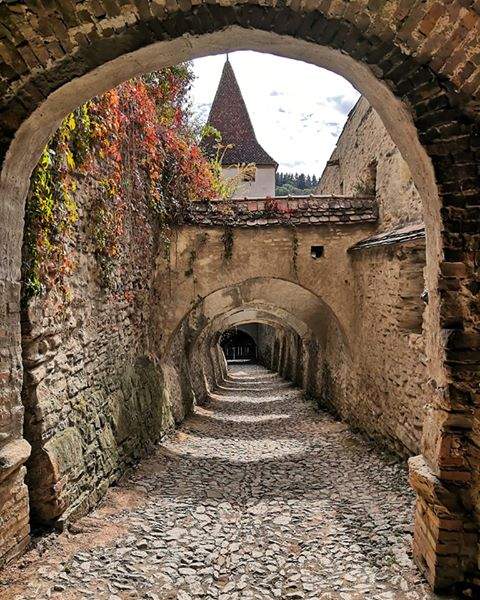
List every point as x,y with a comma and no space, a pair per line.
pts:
256,496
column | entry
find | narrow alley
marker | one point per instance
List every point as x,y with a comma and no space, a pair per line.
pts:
256,496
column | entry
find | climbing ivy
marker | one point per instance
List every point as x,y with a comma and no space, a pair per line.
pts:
51,212
135,145
228,241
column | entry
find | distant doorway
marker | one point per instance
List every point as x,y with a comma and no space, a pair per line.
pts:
237,345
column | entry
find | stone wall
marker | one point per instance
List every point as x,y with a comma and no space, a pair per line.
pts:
95,398
366,161
265,342
386,387
378,383
381,385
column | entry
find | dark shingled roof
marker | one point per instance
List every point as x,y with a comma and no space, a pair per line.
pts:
229,115
399,235
330,211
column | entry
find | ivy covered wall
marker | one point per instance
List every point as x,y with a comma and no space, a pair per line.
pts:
110,186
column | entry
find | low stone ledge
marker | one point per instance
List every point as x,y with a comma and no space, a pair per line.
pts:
429,487
12,456
297,211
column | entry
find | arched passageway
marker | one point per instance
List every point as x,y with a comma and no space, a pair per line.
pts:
254,483
414,65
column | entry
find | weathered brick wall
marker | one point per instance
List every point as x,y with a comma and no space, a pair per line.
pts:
14,510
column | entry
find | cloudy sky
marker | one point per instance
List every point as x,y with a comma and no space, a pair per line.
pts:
298,110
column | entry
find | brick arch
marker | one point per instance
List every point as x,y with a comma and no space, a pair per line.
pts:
418,66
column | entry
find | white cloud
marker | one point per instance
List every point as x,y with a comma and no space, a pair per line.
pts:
341,103
298,110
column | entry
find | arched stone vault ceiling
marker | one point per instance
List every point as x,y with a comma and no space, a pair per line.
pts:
265,314
256,315
283,300
206,363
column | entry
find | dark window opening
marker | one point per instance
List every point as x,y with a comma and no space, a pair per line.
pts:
317,252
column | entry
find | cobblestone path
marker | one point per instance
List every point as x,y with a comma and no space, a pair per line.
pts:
256,496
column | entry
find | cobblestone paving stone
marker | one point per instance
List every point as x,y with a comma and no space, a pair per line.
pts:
257,496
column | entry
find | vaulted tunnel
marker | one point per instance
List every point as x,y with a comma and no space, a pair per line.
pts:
427,99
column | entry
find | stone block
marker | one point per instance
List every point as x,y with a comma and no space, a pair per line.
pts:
12,456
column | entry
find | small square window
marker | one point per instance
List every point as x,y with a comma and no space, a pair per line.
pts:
317,252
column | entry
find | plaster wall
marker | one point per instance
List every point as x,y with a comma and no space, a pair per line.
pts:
265,341
276,252
262,187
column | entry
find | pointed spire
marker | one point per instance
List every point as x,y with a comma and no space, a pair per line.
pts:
230,116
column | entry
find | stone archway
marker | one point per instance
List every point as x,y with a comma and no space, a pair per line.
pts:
272,301
417,68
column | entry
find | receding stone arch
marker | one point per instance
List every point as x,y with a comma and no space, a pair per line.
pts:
256,315
300,308
278,302
406,60
285,325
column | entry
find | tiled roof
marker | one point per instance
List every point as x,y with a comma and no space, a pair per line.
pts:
297,210
229,115
399,235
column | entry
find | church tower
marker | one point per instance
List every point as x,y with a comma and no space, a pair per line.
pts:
229,115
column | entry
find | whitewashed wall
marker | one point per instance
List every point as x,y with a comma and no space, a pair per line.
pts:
263,186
